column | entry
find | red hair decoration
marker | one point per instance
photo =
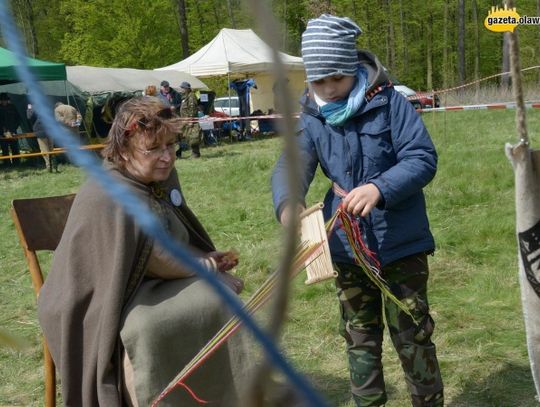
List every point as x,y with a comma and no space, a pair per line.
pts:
129,130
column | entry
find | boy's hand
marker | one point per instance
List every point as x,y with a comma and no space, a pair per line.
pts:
361,200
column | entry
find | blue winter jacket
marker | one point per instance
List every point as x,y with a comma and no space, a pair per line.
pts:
386,144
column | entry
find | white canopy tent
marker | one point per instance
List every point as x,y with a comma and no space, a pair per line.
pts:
88,80
95,80
98,80
242,54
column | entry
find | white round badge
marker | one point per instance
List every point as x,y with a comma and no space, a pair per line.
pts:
176,197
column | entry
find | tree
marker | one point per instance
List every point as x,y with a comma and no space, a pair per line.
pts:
476,46
315,8
390,40
231,14
429,49
183,26
117,33
42,26
216,13
445,47
505,79
403,33
23,13
461,41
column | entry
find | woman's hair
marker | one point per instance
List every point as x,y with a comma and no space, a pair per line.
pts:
150,90
147,116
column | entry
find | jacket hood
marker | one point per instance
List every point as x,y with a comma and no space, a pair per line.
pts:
376,77
376,73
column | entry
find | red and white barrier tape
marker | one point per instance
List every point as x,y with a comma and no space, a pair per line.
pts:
488,106
211,119
494,106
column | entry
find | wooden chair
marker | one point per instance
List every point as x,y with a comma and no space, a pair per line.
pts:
40,223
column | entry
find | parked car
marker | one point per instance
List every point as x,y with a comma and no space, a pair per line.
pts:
426,100
420,100
400,87
229,106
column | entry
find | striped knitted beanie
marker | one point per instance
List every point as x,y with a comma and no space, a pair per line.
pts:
329,47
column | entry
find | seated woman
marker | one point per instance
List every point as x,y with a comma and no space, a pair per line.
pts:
120,315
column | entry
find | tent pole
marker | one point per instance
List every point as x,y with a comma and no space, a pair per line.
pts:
229,90
66,91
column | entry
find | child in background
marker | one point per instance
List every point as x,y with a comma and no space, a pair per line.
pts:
374,147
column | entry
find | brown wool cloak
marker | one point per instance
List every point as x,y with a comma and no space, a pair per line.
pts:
96,268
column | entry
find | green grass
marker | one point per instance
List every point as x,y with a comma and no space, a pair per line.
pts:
474,291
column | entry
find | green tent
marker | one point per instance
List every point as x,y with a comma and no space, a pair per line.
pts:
43,70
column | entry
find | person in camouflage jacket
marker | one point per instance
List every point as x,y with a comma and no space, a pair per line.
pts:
191,130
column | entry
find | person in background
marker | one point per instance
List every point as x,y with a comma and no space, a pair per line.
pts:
208,136
150,90
374,147
9,123
45,142
189,110
120,314
169,96
243,89
67,116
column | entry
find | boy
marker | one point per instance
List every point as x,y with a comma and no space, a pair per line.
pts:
370,142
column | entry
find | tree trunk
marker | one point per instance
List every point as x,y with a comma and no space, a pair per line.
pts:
445,47
505,79
429,49
31,22
476,24
391,38
355,10
216,13
405,45
20,19
25,21
368,26
387,62
182,24
200,18
231,14
461,41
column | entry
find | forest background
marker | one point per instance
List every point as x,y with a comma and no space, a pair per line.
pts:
432,44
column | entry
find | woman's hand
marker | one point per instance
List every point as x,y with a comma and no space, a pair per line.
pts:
224,260
234,283
361,200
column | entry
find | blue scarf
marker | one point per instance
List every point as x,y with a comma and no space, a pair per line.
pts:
337,113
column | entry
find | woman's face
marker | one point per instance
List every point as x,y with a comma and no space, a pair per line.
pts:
333,88
150,162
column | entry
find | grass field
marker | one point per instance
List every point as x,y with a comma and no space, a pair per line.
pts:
474,289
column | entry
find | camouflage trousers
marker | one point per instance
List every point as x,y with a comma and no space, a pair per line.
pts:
192,133
362,325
